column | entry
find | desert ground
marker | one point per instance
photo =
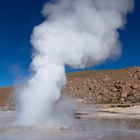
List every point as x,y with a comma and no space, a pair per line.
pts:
106,107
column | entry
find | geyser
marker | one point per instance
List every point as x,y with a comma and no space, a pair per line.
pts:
78,33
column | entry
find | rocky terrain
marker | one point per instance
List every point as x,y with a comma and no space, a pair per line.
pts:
105,86
97,86
90,121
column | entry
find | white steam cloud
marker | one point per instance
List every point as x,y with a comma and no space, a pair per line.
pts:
78,33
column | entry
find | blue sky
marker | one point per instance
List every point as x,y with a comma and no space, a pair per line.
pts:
17,19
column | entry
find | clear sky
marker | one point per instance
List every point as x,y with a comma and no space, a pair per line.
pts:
17,19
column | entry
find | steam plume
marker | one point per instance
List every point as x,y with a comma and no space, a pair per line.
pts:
78,33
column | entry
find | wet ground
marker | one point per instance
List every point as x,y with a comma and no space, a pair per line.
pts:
83,128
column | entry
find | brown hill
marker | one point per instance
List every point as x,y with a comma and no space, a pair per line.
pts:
5,95
97,86
105,86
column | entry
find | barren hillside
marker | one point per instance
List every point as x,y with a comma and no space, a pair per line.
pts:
5,95
97,86
105,86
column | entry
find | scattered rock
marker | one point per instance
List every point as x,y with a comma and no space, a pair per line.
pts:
107,87
135,73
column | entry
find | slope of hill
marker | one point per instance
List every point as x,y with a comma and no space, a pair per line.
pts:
5,95
97,86
105,86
